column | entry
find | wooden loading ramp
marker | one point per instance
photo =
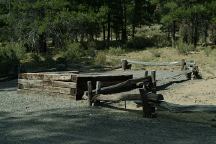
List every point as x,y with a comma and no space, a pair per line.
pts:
68,83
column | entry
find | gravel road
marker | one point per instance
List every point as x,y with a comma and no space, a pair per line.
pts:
41,119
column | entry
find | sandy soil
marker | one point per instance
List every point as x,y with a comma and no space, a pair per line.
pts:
201,92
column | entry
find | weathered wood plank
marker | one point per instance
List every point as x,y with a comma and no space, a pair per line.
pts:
63,84
42,83
130,95
48,77
66,91
124,86
176,63
106,80
31,83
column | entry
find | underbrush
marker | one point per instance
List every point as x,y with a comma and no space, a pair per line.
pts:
184,48
10,56
117,51
100,58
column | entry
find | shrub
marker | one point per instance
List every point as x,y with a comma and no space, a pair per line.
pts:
154,36
73,52
10,56
207,51
139,43
116,51
155,53
184,48
100,58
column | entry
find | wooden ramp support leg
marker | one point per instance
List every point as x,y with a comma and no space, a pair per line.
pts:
89,83
153,76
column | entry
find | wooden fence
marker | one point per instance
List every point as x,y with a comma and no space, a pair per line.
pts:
141,89
188,68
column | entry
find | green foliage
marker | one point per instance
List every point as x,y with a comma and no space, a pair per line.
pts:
10,56
156,53
139,43
207,51
73,52
184,48
116,51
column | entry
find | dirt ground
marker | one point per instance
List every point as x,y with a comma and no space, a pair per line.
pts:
201,92
27,118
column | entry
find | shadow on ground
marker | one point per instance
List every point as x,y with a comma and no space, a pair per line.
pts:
91,126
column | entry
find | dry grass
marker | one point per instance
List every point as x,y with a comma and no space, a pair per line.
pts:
206,63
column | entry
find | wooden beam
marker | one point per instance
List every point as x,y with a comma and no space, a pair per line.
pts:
124,86
106,80
175,63
155,63
66,91
42,83
129,95
49,77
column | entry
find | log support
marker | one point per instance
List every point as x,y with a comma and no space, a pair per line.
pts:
89,83
147,97
153,76
148,109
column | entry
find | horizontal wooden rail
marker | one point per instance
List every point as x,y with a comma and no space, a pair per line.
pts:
176,63
124,86
130,95
131,89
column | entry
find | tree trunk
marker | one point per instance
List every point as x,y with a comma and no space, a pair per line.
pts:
195,33
108,27
124,22
42,43
173,34
133,30
104,33
42,36
206,33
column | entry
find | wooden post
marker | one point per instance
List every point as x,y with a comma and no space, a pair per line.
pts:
125,104
97,92
124,64
192,73
147,108
183,65
98,87
146,73
89,83
153,76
